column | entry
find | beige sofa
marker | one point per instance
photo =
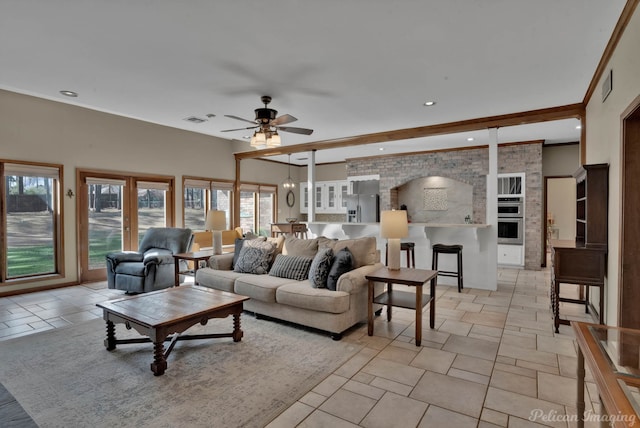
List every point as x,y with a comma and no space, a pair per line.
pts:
298,301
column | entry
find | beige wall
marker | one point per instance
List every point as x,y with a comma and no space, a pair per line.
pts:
603,142
561,206
560,160
34,129
326,172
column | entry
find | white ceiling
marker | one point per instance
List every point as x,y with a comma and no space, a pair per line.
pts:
342,67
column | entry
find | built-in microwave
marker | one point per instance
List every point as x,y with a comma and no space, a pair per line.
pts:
510,207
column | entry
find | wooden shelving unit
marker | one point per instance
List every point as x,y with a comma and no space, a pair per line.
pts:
583,262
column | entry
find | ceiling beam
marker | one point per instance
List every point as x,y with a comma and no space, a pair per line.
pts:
513,119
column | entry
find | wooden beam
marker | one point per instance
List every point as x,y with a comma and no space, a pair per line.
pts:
513,119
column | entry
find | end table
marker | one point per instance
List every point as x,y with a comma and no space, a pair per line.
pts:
406,276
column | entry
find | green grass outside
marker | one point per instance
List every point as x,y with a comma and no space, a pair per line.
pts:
24,261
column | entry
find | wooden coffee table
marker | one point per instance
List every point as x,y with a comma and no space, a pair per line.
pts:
173,310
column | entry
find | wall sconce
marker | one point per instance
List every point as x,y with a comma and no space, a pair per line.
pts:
70,193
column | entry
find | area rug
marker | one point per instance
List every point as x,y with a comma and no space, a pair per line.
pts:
66,378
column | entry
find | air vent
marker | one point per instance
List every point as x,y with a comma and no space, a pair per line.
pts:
194,119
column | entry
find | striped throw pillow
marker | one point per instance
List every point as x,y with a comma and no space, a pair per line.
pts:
291,267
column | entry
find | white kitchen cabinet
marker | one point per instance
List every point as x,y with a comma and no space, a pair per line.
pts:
510,255
304,198
330,197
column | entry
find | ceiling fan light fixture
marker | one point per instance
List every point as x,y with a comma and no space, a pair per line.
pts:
274,140
256,141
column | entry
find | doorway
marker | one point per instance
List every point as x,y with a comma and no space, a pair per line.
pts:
114,211
559,211
629,268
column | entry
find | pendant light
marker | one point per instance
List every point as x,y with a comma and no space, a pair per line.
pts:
289,183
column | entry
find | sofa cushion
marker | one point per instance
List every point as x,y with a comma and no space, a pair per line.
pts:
260,287
223,280
300,247
302,295
363,250
255,257
342,263
320,266
292,267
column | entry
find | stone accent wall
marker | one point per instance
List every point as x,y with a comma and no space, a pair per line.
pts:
469,166
527,158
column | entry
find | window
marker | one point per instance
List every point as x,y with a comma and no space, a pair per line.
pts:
152,203
32,215
257,208
199,195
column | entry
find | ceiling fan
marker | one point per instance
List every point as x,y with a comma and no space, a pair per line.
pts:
267,125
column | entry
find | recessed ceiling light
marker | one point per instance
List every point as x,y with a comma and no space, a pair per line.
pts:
381,148
246,137
69,94
470,139
430,103
579,127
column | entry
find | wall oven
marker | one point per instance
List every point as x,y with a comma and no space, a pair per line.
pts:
510,230
510,221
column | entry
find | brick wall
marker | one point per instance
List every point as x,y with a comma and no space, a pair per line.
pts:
527,158
469,166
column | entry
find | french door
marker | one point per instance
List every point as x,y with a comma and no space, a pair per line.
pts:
114,211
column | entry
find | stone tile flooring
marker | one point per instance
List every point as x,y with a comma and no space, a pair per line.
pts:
493,359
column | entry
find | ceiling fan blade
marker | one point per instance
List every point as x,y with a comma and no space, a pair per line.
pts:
239,118
294,130
281,120
239,129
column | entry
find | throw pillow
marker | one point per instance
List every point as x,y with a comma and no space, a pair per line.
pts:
236,251
300,247
342,263
238,246
320,266
292,267
255,257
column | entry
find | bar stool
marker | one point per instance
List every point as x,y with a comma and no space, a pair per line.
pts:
409,248
448,249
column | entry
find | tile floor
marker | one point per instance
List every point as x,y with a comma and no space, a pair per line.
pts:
493,359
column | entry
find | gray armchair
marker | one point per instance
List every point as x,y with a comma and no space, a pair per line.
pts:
152,266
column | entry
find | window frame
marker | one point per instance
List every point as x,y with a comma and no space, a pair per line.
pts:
57,217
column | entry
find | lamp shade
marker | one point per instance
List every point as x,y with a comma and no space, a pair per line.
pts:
394,224
216,220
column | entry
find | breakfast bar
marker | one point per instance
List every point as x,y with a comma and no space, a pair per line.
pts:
479,243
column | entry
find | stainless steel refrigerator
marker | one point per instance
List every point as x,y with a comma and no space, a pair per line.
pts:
363,208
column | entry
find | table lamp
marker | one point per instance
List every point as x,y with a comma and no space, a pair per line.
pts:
216,222
393,226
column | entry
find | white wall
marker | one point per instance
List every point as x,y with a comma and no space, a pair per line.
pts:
34,129
603,142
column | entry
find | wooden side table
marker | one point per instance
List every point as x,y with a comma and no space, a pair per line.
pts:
406,276
195,257
582,266
297,229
